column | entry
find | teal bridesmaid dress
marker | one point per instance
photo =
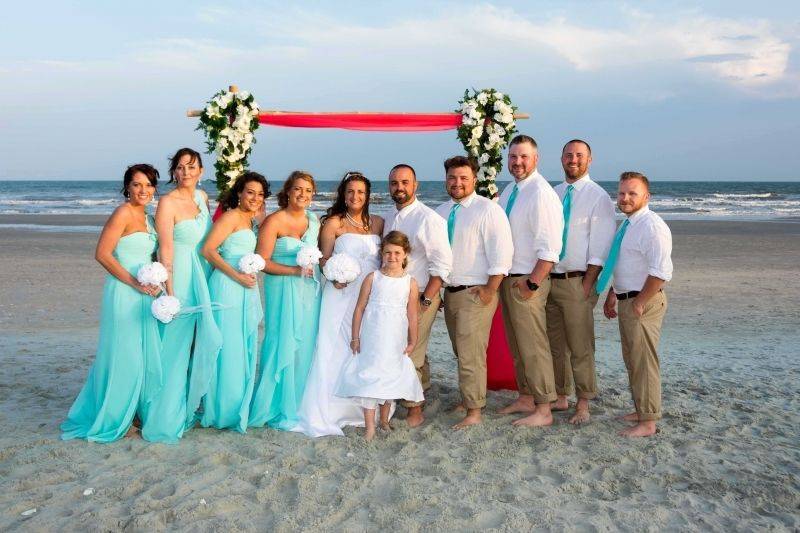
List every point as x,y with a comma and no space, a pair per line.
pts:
190,343
227,403
290,332
126,372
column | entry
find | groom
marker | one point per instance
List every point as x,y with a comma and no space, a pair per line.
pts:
480,237
429,264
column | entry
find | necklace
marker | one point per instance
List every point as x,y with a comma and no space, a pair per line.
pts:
352,221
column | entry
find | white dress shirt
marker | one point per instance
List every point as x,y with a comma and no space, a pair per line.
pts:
537,222
430,252
645,251
482,244
591,225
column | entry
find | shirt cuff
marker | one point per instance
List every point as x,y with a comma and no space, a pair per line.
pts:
596,261
444,274
660,274
547,255
498,271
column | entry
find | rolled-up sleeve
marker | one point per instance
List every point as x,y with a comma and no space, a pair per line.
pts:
601,231
437,248
658,251
498,244
547,226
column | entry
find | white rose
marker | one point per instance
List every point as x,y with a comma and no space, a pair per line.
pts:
498,95
491,172
484,158
251,263
492,188
482,98
481,174
243,95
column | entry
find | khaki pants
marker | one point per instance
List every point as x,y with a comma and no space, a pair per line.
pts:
420,354
526,331
570,328
640,336
469,321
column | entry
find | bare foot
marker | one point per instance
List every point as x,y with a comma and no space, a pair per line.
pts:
642,429
523,404
369,434
630,417
132,433
386,426
537,419
562,404
415,417
581,416
473,418
460,408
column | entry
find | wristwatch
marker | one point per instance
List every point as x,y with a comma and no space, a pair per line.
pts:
531,285
425,301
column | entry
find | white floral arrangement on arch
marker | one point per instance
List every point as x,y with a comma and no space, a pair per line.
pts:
487,125
228,121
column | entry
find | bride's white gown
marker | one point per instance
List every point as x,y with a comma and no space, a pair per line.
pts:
322,412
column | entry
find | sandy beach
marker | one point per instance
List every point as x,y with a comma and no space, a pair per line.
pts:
727,456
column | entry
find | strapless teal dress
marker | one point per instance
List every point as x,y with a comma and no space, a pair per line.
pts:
190,344
227,403
291,318
126,372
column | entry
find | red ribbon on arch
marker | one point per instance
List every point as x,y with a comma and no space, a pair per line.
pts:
365,121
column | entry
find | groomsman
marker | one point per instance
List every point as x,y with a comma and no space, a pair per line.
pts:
534,213
641,264
588,231
429,264
480,238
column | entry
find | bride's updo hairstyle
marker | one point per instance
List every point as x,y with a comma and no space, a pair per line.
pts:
398,238
148,170
339,207
283,195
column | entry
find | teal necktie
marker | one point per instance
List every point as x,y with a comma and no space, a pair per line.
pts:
511,200
567,210
451,222
608,269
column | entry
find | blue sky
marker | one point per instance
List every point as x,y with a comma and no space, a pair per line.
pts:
668,88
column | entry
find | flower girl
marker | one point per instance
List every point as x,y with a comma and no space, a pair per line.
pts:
380,370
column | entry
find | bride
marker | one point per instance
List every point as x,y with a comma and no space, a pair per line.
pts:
349,228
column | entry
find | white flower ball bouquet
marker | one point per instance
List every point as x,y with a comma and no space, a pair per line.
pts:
251,263
342,268
165,307
152,274
308,256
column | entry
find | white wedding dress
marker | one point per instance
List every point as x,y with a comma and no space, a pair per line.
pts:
321,411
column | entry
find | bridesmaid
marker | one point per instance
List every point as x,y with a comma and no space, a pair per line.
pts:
127,371
182,222
227,403
292,306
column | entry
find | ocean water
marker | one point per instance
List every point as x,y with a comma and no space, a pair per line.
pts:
686,200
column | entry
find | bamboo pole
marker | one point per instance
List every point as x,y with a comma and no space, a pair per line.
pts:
191,113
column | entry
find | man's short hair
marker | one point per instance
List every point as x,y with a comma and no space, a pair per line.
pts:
589,148
625,176
519,139
461,161
404,165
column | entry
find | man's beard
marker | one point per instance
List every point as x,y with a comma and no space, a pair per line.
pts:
400,197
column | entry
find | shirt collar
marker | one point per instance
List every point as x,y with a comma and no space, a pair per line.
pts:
533,176
639,215
466,202
407,209
581,183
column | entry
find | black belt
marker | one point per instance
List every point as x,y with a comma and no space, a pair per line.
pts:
631,294
458,288
512,275
567,275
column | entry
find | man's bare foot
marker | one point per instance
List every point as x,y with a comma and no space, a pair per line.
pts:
369,434
562,404
630,417
645,428
473,418
460,408
581,416
535,420
386,426
415,418
523,404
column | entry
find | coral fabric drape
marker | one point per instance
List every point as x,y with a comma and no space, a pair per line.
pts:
499,364
365,121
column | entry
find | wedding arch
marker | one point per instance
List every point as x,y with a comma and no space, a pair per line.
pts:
485,121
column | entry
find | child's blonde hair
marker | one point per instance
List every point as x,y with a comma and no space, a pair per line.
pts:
398,238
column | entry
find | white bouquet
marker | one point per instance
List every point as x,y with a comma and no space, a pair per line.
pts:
342,268
251,264
308,256
152,274
165,307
